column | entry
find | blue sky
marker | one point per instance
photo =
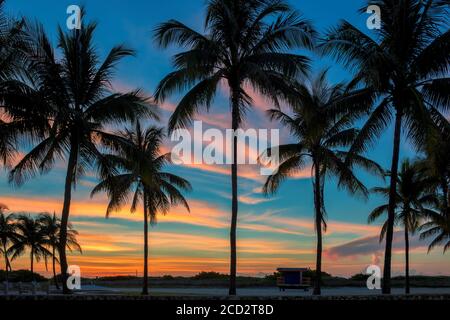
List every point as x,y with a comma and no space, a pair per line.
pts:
274,232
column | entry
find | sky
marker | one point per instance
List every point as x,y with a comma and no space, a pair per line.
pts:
272,232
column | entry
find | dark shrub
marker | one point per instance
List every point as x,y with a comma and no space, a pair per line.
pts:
21,276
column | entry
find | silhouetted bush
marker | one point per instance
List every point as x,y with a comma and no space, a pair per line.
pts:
210,275
312,274
359,277
272,277
117,278
21,276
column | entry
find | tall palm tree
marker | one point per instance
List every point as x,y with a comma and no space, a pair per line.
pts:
321,123
51,226
244,44
414,196
12,44
8,235
406,64
141,179
12,49
72,103
31,237
8,143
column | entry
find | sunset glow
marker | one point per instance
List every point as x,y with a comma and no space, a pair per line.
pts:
273,230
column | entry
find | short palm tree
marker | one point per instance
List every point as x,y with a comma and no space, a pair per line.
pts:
141,179
414,196
245,44
437,165
406,66
71,102
437,161
321,124
31,237
8,235
51,226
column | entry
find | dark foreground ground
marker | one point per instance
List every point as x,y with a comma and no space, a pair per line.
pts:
94,292
117,306
117,297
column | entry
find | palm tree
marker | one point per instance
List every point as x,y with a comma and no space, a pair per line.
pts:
141,177
71,102
8,235
437,161
7,143
51,226
320,121
437,225
244,44
32,237
437,165
414,196
12,44
406,66
12,48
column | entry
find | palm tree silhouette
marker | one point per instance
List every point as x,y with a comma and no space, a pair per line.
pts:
12,47
320,121
8,236
437,165
141,176
70,98
32,237
244,44
51,227
415,193
436,226
406,66
437,160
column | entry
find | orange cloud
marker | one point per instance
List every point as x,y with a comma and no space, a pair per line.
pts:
106,252
117,250
202,214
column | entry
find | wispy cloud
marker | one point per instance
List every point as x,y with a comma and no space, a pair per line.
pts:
202,214
371,246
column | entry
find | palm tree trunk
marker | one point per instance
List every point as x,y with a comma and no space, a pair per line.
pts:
65,213
406,259
32,264
234,198
391,206
446,196
145,284
54,267
318,225
6,262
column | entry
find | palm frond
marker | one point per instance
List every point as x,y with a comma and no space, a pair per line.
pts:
201,95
